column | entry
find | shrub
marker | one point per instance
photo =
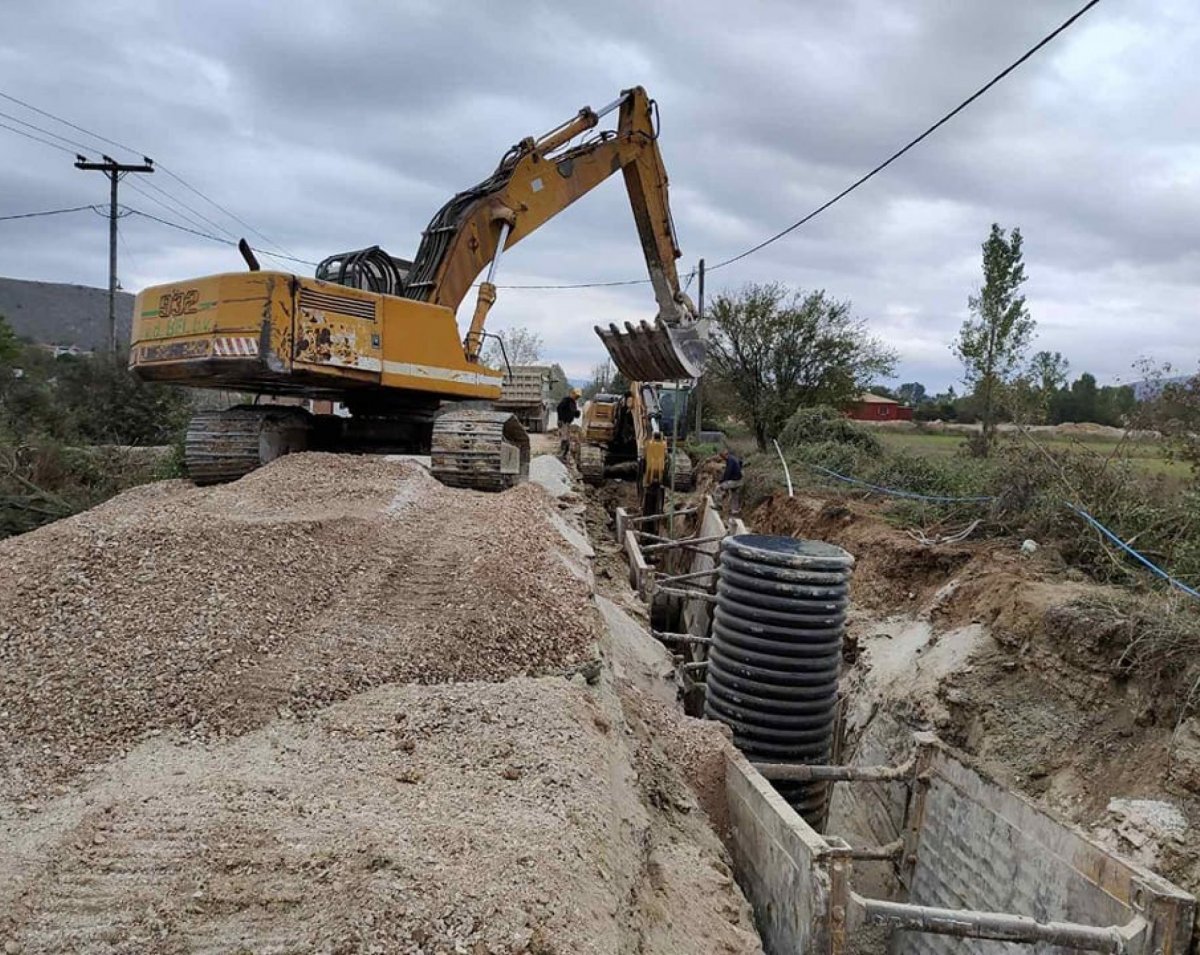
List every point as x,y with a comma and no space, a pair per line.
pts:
822,424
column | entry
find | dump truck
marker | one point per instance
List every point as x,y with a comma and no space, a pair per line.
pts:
525,392
379,334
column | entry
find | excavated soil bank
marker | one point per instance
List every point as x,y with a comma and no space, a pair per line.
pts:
1006,659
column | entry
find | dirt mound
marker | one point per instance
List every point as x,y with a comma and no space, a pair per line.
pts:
890,567
215,610
294,714
524,817
1089,430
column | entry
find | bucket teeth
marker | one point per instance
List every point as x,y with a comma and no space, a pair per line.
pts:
657,352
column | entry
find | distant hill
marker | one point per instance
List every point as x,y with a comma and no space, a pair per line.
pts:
55,314
1148,390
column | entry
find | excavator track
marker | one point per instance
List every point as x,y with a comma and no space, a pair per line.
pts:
223,446
591,464
484,450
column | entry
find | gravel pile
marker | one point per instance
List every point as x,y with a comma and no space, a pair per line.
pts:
525,817
310,712
214,610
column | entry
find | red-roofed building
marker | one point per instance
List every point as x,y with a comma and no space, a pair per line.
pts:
870,407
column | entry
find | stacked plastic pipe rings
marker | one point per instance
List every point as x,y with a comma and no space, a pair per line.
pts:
776,651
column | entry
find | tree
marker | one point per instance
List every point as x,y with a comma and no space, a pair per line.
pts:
1170,405
1115,405
777,350
911,393
522,346
1084,395
1048,371
559,385
10,347
992,343
605,379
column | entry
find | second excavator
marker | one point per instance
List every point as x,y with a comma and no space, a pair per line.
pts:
379,335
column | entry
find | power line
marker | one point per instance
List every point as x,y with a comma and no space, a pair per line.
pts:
214,238
124,244
173,210
196,212
38,139
59,119
47,132
999,77
187,185
160,166
48,212
1028,54
579,285
928,132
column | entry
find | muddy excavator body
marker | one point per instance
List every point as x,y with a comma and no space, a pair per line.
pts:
378,335
626,436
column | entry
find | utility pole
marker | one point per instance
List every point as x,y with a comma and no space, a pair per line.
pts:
116,172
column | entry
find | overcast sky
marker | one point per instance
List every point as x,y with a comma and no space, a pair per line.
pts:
332,126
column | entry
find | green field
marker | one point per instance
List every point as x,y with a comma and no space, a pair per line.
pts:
1146,455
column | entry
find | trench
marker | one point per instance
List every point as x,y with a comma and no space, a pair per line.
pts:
972,644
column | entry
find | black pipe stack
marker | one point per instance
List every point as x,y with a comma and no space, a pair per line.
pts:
777,645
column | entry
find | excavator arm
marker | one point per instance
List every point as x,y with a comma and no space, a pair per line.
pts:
535,181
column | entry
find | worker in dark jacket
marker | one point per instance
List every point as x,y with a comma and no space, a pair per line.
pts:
729,488
568,412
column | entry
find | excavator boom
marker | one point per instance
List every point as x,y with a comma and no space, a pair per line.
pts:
535,181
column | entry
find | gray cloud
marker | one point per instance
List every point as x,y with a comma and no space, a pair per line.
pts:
332,126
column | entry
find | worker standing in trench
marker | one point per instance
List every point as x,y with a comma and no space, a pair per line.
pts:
568,412
729,488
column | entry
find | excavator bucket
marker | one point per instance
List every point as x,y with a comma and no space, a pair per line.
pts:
658,352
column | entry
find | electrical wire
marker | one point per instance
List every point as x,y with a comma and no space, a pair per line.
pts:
136,152
173,210
999,77
242,222
48,212
196,212
928,132
128,251
995,80
38,139
48,132
214,238
580,285
59,119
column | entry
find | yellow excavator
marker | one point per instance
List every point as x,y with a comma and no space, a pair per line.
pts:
629,435
379,334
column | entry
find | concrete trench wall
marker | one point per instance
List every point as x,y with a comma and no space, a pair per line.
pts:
979,845
970,844
781,864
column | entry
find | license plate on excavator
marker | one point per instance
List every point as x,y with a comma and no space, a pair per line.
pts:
657,352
